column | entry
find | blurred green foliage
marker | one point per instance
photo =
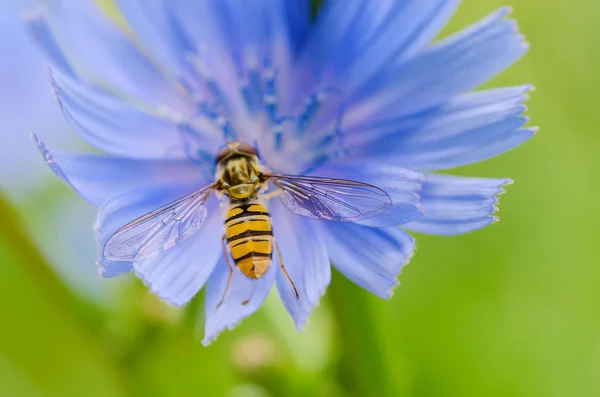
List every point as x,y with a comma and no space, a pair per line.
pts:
512,310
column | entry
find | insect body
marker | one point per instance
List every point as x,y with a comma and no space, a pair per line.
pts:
249,237
248,229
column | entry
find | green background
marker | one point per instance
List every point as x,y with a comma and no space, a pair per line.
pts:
511,310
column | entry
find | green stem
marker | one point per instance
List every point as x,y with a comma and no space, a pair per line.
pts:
362,365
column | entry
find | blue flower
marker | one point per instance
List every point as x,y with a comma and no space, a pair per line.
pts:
362,94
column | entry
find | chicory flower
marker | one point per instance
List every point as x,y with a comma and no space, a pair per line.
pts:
363,93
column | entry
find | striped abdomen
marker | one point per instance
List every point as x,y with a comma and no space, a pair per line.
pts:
250,238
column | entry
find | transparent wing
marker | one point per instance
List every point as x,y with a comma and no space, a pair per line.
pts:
331,199
160,229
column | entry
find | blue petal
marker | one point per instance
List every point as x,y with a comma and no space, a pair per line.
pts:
455,205
98,178
304,256
402,185
370,257
239,26
111,124
470,128
455,65
102,52
296,17
355,40
243,298
37,24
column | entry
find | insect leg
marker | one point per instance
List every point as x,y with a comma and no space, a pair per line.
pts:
230,271
283,268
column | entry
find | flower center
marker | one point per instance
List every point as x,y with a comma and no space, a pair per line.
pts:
293,129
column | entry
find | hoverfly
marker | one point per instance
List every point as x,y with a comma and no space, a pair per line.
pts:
248,239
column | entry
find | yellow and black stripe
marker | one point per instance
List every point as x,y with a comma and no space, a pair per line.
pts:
250,238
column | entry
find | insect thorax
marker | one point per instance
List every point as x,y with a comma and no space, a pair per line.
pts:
239,176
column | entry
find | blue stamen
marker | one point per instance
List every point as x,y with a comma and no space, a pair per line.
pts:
279,133
270,102
255,84
278,140
204,74
325,141
225,125
270,99
310,109
246,93
338,127
192,146
314,102
205,109
221,121
216,92
325,158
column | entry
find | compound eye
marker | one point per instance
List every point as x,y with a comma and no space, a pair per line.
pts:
222,154
247,149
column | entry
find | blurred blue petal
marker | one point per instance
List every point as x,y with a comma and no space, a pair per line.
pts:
39,29
59,225
157,32
102,53
26,104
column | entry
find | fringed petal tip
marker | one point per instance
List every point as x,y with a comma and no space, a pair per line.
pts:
226,307
300,321
158,292
390,292
504,184
525,45
456,205
494,217
501,22
212,336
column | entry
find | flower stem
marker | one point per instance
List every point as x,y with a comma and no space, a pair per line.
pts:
362,370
